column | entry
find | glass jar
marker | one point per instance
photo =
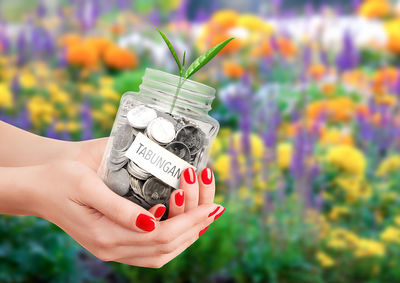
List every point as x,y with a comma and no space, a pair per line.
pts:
157,133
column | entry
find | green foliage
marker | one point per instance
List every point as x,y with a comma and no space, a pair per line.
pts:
34,250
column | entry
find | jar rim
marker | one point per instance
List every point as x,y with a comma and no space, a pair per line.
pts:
199,87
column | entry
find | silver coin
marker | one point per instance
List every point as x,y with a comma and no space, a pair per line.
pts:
193,137
137,172
116,166
123,137
118,181
179,149
140,116
161,130
168,117
136,186
139,201
155,191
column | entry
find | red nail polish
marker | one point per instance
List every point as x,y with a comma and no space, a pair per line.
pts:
145,222
206,176
160,211
202,231
214,211
190,175
179,198
219,214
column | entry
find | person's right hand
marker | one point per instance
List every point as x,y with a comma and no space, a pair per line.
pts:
71,195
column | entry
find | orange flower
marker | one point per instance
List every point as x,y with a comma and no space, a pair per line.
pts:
120,58
100,44
224,20
117,29
70,40
316,71
339,109
375,8
383,79
230,47
233,70
386,99
286,46
82,55
264,49
328,89
393,33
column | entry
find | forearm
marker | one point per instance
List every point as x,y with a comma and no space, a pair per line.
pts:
17,195
21,148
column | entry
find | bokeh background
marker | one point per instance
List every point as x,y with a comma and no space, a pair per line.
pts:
307,160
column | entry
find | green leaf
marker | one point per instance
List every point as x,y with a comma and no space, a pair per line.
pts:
183,63
204,58
171,48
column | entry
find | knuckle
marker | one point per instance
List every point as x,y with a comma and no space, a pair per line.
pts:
103,255
164,239
166,249
102,241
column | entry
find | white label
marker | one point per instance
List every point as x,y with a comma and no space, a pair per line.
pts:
156,160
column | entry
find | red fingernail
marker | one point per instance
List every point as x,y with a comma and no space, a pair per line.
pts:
214,211
179,198
145,222
206,176
219,214
203,230
160,211
190,175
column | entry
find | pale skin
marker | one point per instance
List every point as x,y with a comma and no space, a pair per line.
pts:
57,180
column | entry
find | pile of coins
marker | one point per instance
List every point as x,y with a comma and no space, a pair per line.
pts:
176,134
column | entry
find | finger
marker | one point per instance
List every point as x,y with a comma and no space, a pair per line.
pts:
206,186
191,187
124,252
176,203
159,261
126,213
158,211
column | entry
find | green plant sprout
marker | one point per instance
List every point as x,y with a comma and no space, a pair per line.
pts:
197,64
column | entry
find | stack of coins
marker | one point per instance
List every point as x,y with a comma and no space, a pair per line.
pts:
177,134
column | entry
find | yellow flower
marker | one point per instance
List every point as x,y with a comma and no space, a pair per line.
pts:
324,259
109,93
348,159
388,166
254,23
6,98
244,193
27,80
354,187
375,8
284,151
369,248
397,220
216,147
338,211
256,144
73,126
341,239
334,136
40,110
392,30
110,109
224,19
391,235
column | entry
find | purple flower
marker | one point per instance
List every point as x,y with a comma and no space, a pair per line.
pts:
348,58
87,122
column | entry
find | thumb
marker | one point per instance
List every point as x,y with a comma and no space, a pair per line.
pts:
118,209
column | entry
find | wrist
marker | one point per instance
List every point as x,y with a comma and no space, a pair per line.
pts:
17,195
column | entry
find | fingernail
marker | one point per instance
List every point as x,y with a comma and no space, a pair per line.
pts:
160,211
206,176
219,214
203,230
179,198
214,211
145,222
190,175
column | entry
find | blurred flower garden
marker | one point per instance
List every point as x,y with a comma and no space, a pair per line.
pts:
307,159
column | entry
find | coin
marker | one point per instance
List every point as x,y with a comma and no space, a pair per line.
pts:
118,181
161,130
179,149
139,201
155,191
116,166
136,186
140,116
137,172
192,137
123,137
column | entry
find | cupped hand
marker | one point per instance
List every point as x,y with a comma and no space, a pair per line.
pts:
72,196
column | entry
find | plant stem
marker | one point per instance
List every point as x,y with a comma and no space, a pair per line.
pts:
181,82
